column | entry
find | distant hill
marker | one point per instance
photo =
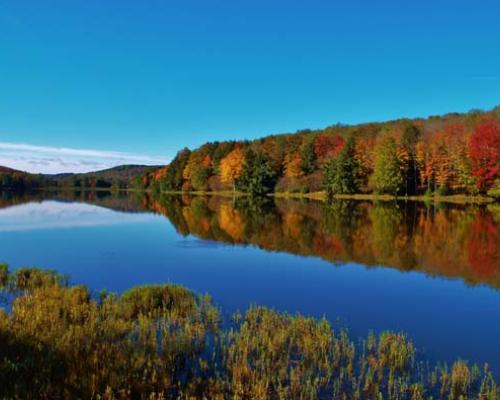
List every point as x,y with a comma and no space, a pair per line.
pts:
15,180
7,170
122,172
120,177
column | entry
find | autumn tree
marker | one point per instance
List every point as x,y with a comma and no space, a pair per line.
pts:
220,152
421,158
443,170
462,179
387,176
327,146
485,154
231,167
364,159
273,149
293,165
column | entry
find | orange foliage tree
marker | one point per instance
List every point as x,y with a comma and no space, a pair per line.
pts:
364,158
231,167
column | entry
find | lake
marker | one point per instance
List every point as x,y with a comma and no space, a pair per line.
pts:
430,270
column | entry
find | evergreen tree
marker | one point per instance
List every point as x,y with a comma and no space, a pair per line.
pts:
341,174
308,158
257,177
387,176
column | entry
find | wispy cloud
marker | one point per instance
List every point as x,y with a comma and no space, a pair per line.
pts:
52,160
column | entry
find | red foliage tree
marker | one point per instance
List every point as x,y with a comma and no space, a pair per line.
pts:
484,153
326,146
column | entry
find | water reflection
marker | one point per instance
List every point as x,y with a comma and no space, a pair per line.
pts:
454,241
446,240
57,215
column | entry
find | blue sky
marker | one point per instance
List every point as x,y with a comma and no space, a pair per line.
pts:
145,78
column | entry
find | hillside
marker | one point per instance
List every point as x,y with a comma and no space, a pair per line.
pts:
453,153
6,170
14,180
121,177
122,172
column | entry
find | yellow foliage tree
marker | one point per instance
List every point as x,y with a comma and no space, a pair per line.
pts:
364,157
231,167
423,168
194,161
292,165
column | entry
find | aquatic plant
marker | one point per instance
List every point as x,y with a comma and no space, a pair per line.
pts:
59,341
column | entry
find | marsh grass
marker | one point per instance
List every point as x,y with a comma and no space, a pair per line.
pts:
166,342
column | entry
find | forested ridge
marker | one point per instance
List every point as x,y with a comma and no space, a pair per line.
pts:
120,178
450,154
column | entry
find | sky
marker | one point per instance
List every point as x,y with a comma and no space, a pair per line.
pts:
88,84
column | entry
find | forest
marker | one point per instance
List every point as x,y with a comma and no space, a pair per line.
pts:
61,341
450,154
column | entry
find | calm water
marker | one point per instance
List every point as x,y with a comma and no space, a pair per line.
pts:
433,272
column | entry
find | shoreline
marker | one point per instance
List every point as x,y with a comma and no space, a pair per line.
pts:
321,196
317,196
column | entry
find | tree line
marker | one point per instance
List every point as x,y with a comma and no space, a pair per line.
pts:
450,154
